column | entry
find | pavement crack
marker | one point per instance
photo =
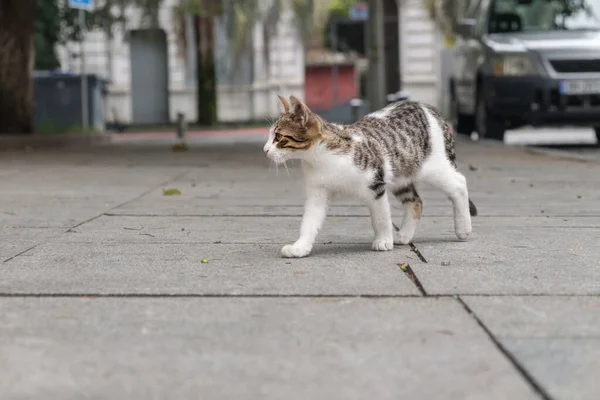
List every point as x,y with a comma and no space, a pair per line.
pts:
22,252
417,252
413,277
512,359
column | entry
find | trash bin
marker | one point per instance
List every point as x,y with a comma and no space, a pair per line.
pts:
57,102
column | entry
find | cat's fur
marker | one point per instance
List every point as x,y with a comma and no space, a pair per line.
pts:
387,153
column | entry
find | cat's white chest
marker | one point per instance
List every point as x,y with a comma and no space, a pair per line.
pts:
337,176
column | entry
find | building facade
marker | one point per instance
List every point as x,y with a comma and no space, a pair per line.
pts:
152,75
421,46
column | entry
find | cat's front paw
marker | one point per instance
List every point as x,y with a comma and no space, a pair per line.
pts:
383,244
404,237
295,251
463,231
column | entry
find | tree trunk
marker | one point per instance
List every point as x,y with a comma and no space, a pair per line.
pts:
207,83
17,19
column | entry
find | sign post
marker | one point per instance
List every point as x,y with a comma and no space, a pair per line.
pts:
82,6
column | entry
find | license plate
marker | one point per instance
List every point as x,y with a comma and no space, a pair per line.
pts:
580,86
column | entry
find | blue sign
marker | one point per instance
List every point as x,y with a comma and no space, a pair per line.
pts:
359,12
82,4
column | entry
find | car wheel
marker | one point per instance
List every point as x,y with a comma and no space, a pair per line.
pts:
461,123
487,125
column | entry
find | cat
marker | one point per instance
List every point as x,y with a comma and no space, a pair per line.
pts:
386,153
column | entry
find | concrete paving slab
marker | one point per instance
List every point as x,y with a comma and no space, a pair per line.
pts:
210,230
496,193
42,211
63,196
285,229
513,256
557,339
249,348
177,269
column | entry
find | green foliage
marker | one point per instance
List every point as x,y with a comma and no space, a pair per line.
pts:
55,24
338,9
46,34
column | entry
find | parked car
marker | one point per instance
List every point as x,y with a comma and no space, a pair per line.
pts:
526,62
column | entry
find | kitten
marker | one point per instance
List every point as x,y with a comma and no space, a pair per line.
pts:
389,152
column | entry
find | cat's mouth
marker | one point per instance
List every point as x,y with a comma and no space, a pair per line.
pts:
277,157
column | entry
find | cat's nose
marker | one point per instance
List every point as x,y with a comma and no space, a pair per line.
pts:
266,150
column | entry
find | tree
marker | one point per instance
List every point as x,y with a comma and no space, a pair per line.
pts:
18,17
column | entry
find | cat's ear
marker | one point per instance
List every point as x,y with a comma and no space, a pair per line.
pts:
285,103
300,111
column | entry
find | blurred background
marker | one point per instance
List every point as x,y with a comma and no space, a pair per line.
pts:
153,65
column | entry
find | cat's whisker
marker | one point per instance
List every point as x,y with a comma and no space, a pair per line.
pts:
286,168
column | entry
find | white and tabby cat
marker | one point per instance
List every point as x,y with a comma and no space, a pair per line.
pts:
388,152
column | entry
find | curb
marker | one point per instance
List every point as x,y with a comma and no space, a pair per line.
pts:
560,154
29,142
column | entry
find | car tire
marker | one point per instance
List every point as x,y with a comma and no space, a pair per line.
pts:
462,123
487,125
597,130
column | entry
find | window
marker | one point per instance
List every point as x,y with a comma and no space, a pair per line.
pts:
543,15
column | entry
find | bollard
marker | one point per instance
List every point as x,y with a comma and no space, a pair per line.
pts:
356,104
181,128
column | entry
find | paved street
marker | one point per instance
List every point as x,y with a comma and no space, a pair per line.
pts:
104,293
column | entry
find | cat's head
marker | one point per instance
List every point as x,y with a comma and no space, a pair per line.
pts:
294,134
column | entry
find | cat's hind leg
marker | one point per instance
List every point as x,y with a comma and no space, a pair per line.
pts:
444,177
413,208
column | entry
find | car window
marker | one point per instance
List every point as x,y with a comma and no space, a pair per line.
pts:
543,15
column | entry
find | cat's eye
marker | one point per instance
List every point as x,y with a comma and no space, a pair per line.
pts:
277,137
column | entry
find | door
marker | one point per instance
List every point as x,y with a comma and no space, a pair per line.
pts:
149,76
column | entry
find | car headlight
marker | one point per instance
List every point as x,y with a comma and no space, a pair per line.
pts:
513,65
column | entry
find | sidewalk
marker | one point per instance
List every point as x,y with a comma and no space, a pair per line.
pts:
103,292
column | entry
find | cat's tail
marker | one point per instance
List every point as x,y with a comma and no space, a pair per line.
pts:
472,209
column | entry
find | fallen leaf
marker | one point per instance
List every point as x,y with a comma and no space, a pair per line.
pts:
171,192
204,261
180,147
